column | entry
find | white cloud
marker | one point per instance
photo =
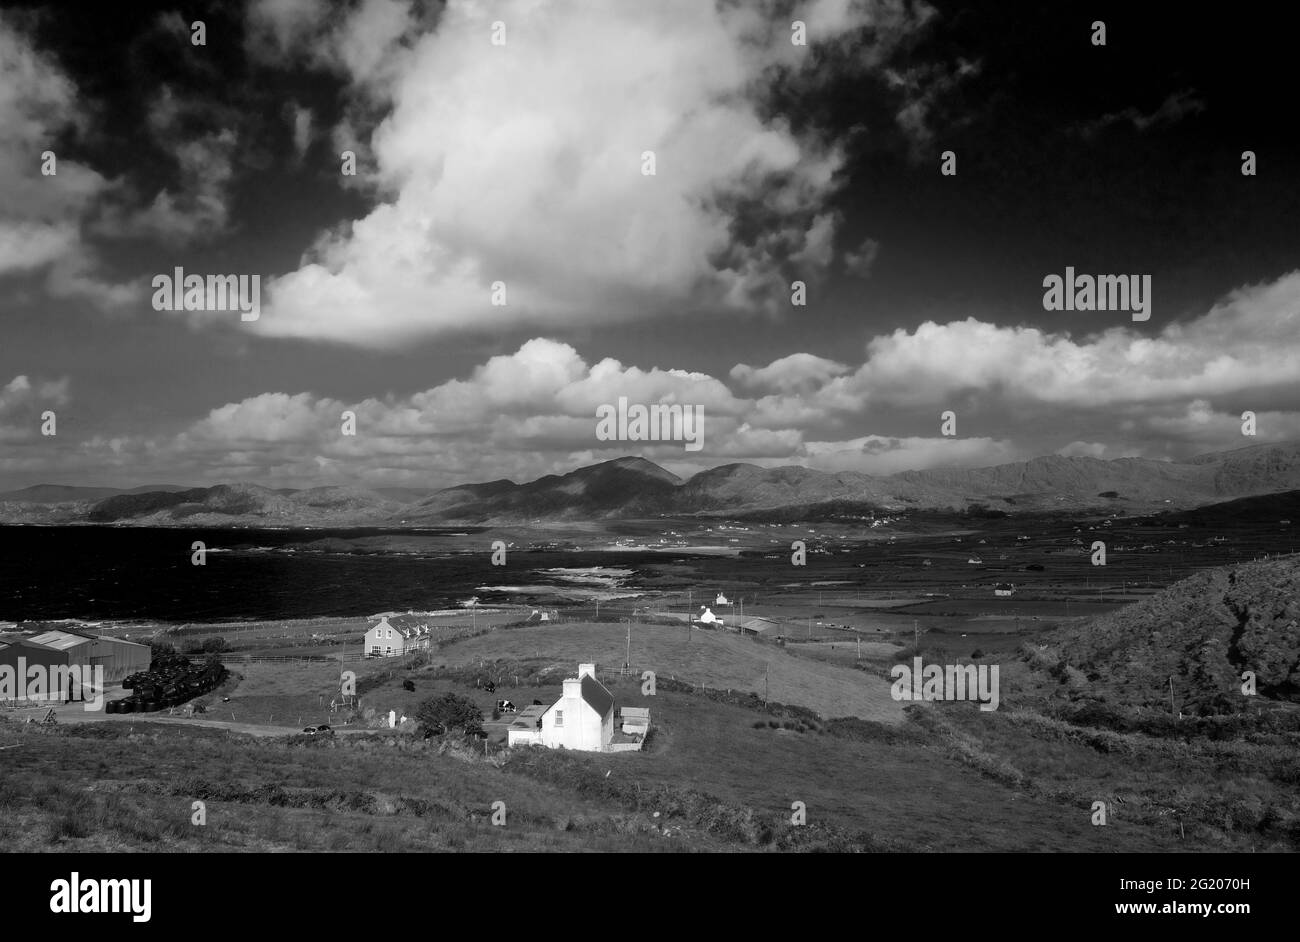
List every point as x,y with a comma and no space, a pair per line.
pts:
522,163
880,455
42,213
1018,392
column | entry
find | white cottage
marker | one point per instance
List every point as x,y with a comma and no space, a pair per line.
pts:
583,717
708,618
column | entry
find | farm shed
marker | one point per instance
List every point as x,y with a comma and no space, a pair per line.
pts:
635,720
118,658
19,654
526,730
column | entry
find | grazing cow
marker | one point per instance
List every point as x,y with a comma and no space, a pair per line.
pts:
408,685
505,706
490,687
537,703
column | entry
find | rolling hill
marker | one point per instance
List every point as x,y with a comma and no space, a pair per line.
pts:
633,487
1192,643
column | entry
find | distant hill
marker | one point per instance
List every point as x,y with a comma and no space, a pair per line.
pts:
245,503
622,487
66,493
1202,632
634,487
1250,512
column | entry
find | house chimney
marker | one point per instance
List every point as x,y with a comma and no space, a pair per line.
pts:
587,670
573,688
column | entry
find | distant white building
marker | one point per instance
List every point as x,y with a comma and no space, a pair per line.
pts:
708,618
1004,589
583,718
721,600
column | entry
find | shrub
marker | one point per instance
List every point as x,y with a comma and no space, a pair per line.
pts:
449,712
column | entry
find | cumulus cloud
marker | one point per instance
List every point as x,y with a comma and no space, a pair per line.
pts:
201,143
522,163
1246,341
43,214
794,373
1018,393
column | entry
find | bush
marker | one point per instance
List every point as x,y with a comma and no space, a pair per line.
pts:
449,712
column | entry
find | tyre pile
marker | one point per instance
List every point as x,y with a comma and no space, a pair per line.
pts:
170,680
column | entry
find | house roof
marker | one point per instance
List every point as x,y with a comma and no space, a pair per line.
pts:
597,697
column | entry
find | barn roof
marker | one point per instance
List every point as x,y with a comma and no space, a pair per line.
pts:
597,697
60,640
24,643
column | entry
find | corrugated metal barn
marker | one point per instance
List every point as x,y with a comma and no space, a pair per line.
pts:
19,654
119,658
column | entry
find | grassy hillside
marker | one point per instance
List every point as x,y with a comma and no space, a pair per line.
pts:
1203,633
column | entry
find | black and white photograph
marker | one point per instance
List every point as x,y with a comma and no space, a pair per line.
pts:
759,427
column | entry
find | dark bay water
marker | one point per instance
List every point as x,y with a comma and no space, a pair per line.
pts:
127,573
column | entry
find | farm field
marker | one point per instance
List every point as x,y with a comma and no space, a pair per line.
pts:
714,658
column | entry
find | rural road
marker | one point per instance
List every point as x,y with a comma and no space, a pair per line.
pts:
71,713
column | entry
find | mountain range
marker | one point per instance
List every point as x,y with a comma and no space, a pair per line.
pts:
633,487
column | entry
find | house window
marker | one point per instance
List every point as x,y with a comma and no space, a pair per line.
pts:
559,717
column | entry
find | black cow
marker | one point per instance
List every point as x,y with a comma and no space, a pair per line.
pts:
490,687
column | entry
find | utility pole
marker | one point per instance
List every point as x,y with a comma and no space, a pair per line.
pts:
916,637
767,671
1172,711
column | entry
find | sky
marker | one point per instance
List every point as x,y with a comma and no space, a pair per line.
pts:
504,145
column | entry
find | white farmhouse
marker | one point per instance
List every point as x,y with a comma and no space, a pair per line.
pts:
383,640
583,718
